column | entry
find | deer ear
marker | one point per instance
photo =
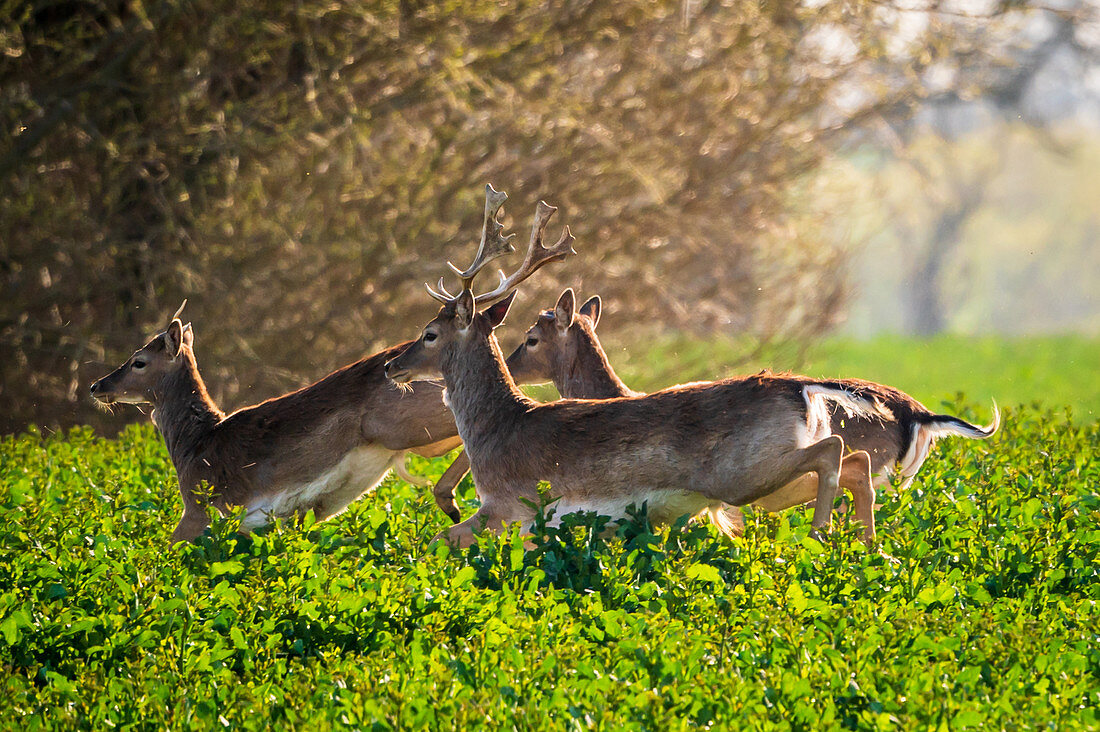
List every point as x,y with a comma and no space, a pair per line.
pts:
173,339
495,313
464,309
564,310
591,308
188,335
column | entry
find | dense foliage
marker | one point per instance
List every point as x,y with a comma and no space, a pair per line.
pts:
298,169
979,612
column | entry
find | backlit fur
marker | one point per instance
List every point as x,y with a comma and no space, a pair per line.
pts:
731,441
317,448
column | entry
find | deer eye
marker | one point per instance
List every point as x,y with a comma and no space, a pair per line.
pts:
429,336
532,341
138,364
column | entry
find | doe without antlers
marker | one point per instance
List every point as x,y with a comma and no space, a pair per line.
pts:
316,449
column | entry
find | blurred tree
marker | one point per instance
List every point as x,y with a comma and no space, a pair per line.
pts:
997,85
297,170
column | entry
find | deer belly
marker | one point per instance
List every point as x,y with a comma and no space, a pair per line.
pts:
329,493
662,506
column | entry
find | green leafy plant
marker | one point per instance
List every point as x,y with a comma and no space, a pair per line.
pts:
977,610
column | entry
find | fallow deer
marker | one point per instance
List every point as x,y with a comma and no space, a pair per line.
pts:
318,448
678,451
562,347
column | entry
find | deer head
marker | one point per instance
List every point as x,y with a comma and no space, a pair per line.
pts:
459,321
551,345
137,380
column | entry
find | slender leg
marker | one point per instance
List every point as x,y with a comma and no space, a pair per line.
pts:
402,470
855,476
444,490
826,455
193,522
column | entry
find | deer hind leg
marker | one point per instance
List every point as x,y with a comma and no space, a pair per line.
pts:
823,458
855,476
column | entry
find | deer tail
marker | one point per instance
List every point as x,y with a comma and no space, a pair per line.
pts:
854,403
402,470
927,427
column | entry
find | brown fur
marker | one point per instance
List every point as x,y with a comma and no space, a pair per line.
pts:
568,352
562,347
258,451
687,440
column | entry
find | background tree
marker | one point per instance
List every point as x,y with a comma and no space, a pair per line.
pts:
297,170
993,105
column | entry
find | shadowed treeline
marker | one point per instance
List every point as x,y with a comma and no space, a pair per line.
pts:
298,170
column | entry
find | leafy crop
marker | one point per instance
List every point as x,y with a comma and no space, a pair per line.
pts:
978,612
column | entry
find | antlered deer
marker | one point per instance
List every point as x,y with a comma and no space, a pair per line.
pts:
680,451
562,347
318,448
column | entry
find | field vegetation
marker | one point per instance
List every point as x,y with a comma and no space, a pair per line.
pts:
1034,370
977,611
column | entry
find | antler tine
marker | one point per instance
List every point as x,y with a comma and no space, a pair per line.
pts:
493,244
537,255
443,289
442,296
179,311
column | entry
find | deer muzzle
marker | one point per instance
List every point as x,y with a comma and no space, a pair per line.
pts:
396,374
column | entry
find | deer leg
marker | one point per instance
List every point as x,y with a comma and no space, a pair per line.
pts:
463,534
444,490
191,525
435,449
798,492
855,476
824,459
402,470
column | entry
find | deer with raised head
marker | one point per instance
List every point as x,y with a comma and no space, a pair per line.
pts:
318,448
678,451
562,347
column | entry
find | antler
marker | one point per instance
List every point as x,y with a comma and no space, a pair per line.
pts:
179,311
537,255
441,295
494,244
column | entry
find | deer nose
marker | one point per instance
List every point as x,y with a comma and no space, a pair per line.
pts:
395,373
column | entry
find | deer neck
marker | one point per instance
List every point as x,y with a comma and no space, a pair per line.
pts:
589,374
183,410
481,392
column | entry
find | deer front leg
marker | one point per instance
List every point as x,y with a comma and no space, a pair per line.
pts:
444,490
193,522
463,534
495,517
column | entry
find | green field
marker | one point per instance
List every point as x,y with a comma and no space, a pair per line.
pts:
1056,371
978,611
